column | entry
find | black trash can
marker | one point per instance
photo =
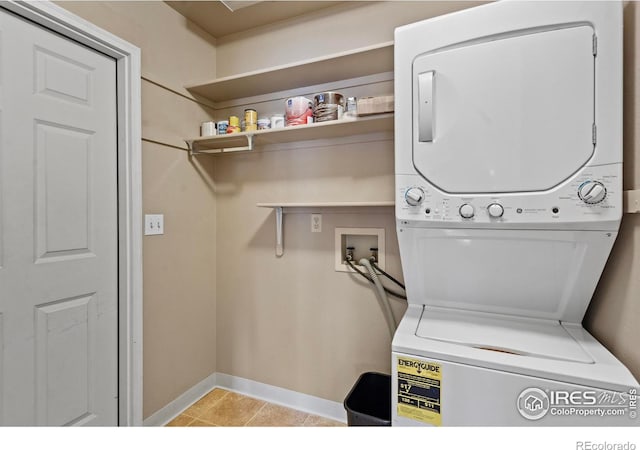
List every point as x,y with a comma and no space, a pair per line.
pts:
369,402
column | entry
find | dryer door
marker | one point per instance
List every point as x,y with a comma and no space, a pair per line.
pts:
510,114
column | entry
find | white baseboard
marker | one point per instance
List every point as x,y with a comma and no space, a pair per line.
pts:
272,394
173,409
284,397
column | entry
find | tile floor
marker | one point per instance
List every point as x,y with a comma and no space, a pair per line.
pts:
220,408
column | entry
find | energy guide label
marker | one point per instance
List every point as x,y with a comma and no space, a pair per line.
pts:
419,384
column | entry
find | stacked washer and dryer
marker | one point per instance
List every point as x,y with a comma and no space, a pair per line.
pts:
508,143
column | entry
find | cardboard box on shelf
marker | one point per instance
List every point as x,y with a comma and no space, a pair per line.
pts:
375,105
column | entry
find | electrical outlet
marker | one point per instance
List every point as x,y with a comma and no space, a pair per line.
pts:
316,223
361,240
153,224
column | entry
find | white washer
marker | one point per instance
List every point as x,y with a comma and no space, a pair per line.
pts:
508,201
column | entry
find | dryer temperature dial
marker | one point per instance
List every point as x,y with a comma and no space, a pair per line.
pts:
414,196
592,192
495,210
467,211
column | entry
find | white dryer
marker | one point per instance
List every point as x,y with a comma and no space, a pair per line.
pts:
508,141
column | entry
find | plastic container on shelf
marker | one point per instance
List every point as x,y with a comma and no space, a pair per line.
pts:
277,121
351,109
264,123
208,129
297,110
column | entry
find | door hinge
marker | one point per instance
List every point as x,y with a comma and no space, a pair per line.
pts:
594,134
595,45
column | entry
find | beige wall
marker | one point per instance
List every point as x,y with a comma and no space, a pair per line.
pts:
174,50
179,267
293,321
328,31
615,309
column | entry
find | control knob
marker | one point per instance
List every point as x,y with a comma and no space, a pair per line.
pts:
592,192
467,211
414,196
495,210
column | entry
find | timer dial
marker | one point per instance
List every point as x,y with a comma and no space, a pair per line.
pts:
592,192
414,196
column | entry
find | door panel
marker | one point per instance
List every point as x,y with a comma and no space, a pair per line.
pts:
62,77
58,219
63,197
65,360
513,114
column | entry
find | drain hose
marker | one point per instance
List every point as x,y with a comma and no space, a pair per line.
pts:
382,296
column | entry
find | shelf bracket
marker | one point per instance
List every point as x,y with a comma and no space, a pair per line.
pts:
282,208
279,244
631,201
194,145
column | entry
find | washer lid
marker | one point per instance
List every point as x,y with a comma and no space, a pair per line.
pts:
511,113
605,372
536,338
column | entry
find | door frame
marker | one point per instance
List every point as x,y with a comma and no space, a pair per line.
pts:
128,68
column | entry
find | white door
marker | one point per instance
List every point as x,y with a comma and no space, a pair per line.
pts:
58,230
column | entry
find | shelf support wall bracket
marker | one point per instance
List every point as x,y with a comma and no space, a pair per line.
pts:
194,144
246,148
631,201
279,244
190,147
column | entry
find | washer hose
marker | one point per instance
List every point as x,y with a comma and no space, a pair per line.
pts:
377,267
366,277
382,296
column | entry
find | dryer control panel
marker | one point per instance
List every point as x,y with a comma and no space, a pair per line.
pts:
593,195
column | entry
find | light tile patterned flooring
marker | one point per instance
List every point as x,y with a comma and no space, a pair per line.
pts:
227,409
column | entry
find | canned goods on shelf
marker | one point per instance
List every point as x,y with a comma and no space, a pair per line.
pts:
234,125
250,116
328,106
222,126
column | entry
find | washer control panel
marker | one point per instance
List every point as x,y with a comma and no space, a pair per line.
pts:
593,195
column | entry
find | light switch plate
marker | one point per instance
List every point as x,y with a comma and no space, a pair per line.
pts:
153,224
